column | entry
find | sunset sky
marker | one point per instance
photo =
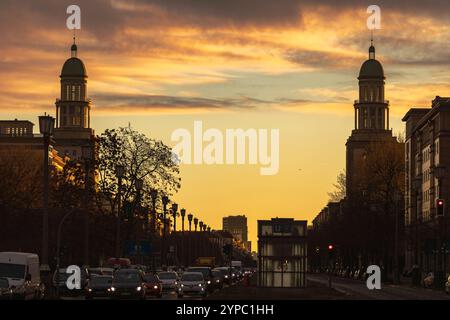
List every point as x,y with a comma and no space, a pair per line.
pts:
285,64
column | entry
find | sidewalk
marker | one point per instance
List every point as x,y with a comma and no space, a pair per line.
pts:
314,291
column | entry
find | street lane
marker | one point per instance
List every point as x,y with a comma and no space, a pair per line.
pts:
355,289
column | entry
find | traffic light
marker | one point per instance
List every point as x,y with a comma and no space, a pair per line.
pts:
330,252
440,206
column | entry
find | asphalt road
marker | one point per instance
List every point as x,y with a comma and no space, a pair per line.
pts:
355,289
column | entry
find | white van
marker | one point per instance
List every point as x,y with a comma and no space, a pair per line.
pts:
22,271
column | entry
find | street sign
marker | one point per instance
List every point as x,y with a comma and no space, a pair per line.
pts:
134,248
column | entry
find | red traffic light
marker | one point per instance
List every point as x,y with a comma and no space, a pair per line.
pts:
330,247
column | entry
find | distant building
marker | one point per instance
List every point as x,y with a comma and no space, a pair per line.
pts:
282,253
18,140
237,226
427,161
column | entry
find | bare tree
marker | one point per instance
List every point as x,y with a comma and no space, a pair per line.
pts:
340,188
142,157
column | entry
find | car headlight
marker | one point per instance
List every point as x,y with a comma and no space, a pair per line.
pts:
200,285
139,288
155,287
217,281
209,282
113,289
226,277
90,290
182,285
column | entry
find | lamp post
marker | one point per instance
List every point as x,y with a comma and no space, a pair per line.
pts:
209,229
153,195
195,224
87,158
439,172
190,217
120,172
182,214
174,215
201,225
165,201
46,126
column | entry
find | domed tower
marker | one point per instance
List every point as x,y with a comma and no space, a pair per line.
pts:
371,122
73,108
371,110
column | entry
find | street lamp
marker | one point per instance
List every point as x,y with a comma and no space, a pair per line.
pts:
182,214
195,223
87,155
165,201
209,229
153,195
174,214
120,173
201,225
190,217
46,126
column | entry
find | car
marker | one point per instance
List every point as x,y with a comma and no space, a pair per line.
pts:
23,275
128,283
101,271
5,290
60,279
169,280
98,286
218,279
227,274
192,283
153,285
207,276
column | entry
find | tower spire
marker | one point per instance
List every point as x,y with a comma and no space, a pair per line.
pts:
74,47
371,48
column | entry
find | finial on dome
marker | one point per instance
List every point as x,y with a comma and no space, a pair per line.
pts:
371,48
74,47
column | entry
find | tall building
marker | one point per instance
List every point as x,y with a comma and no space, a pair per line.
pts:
73,109
282,253
371,120
427,161
237,226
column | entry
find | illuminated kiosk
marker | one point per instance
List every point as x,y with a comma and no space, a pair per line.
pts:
282,253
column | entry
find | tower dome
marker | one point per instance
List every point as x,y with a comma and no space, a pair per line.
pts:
371,68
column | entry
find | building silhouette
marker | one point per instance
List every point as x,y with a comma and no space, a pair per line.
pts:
371,121
73,109
427,157
237,226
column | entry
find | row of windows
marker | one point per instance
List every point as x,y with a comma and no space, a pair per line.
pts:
16,131
73,93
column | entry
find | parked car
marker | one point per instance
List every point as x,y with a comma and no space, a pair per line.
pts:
98,286
153,285
192,283
128,283
5,290
218,279
23,275
169,280
207,276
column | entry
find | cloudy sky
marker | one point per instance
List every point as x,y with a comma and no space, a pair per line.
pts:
286,64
